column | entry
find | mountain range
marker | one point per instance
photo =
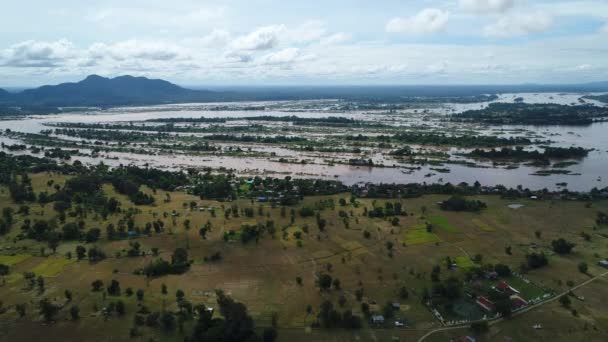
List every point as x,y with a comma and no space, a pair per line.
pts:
97,91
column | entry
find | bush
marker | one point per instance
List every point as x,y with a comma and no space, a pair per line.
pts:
561,246
457,203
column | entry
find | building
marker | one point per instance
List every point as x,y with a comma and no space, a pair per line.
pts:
485,304
603,263
517,302
377,319
504,287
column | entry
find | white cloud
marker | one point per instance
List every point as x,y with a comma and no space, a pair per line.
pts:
285,56
173,16
520,24
437,68
32,53
309,31
217,38
486,6
604,28
336,38
427,21
137,49
583,67
263,38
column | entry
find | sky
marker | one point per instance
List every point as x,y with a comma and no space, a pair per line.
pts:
312,42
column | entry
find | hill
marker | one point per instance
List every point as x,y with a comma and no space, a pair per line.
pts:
100,91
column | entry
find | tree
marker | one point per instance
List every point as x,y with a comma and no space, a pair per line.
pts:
140,294
4,270
359,294
502,270
75,312
403,293
536,260
479,327
20,308
114,288
269,334
336,283
80,252
561,246
97,285
583,268
48,310
68,295
565,301
325,281
179,295
120,308
40,282
53,241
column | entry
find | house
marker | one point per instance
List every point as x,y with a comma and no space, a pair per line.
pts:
603,263
396,306
517,302
492,275
504,287
377,319
262,199
485,304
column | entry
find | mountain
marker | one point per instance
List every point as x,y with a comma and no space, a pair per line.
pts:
100,91
97,91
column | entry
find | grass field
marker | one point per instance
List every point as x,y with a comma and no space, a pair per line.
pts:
11,260
51,267
419,235
443,224
464,262
482,225
263,275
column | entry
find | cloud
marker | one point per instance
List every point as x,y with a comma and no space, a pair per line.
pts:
604,28
264,38
519,25
309,31
137,49
173,16
583,67
429,20
41,54
336,38
486,6
285,56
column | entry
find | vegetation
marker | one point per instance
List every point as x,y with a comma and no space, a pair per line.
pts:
533,114
519,153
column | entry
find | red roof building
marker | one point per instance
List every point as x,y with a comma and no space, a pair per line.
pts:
485,304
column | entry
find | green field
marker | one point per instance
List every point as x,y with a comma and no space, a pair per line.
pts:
262,275
419,235
443,223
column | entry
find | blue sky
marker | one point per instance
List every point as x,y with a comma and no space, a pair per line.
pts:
256,42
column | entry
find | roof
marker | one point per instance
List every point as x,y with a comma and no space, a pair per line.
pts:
377,318
485,303
502,285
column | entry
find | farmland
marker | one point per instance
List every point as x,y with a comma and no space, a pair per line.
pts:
276,274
